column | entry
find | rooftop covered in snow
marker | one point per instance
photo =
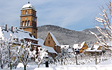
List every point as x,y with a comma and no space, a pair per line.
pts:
55,40
28,6
14,33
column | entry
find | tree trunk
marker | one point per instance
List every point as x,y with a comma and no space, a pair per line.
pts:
47,64
61,60
76,60
95,57
10,66
24,67
2,66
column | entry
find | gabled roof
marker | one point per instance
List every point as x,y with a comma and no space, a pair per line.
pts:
50,49
96,46
55,40
16,33
76,46
82,44
79,46
65,46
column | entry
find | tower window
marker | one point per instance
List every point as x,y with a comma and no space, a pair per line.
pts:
23,23
26,12
28,23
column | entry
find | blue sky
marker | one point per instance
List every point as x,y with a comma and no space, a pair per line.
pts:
70,14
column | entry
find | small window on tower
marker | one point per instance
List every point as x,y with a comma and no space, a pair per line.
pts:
28,23
23,23
26,12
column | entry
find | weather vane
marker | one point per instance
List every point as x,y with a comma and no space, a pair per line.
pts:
28,1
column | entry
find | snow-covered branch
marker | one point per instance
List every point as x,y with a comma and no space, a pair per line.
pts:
105,20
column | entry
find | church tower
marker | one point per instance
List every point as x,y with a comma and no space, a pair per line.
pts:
28,20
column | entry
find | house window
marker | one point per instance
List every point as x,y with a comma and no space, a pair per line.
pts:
48,42
56,47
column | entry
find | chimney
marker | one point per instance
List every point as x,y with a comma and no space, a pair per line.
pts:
5,26
12,28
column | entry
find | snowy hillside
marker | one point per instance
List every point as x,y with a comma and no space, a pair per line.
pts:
66,36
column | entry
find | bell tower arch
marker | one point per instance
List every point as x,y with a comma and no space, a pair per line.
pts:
28,19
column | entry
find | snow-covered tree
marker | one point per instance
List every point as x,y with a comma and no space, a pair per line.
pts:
65,57
104,19
8,54
24,53
40,57
3,53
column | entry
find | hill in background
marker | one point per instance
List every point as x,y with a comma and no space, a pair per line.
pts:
66,36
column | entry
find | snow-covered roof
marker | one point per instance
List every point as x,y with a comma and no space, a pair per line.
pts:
93,50
82,44
79,46
28,6
55,40
16,33
50,49
96,46
70,50
65,46
76,46
40,41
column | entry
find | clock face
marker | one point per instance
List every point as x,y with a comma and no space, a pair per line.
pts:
25,18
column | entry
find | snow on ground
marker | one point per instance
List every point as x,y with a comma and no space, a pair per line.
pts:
108,62
78,67
106,65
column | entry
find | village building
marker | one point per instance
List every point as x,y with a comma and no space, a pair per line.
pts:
80,48
28,33
28,19
50,49
96,48
17,36
51,41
